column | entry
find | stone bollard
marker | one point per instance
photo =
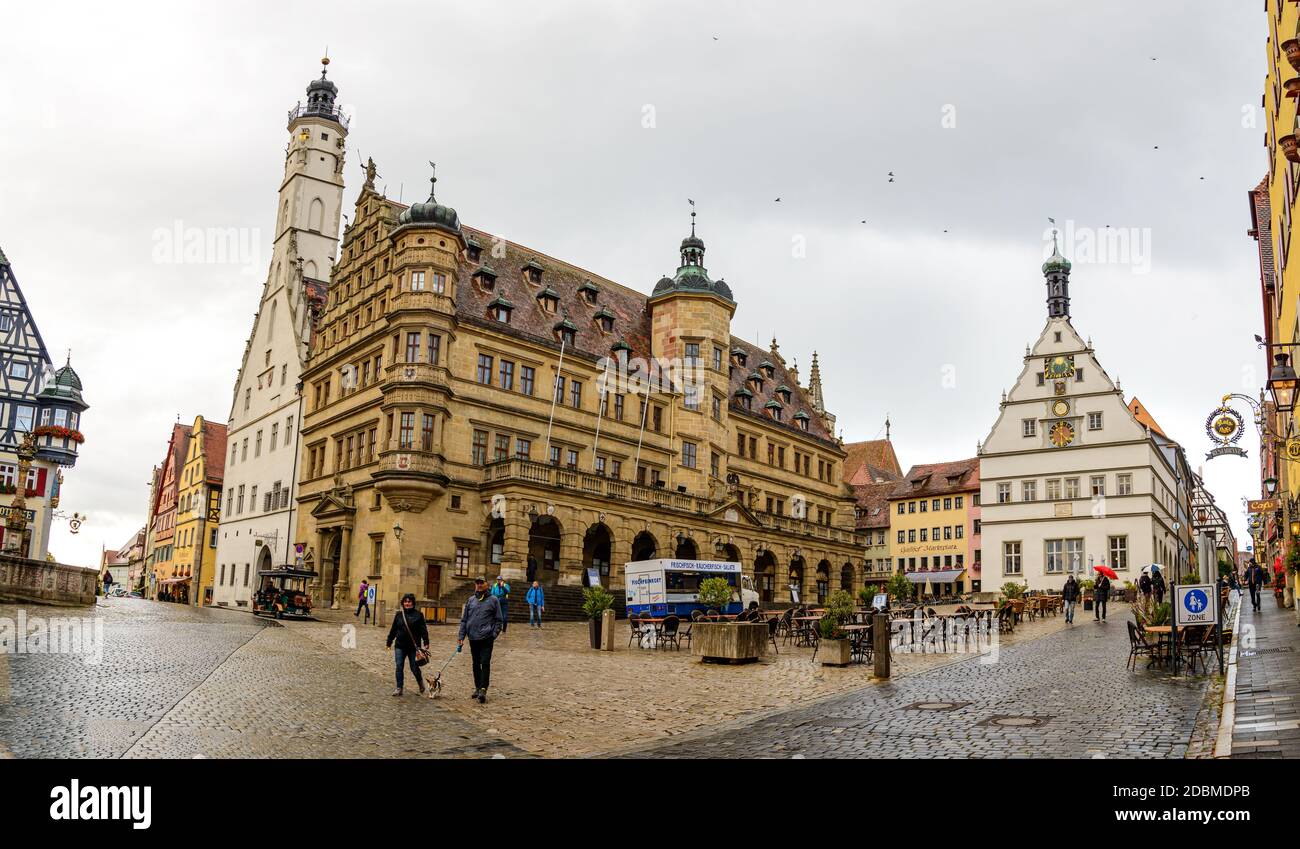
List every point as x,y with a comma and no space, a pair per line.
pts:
607,631
880,645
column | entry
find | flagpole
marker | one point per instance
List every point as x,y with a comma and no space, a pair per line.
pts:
555,395
600,411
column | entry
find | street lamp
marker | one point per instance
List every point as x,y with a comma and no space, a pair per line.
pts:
1270,486
1282,382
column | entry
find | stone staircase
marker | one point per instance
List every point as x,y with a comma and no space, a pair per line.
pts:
563,604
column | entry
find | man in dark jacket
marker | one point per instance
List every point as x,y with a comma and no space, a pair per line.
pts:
1100,593
1158,585
1144,586
1070,595
1255,579
480,621
411,634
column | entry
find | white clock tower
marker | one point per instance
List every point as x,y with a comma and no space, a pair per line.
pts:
258,513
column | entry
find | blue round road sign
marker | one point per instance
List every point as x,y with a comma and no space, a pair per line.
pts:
1196,601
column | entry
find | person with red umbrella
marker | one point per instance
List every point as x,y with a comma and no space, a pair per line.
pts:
1101,591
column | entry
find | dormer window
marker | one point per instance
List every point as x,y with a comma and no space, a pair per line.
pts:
739,355
745,397
500,309
589,292
533,271
756,379
774,410
473,250
486,279
549,299
621,350
605,320
768,368
784,392
801,418
566,332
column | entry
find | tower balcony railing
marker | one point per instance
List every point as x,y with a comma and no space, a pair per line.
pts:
409,299
329,113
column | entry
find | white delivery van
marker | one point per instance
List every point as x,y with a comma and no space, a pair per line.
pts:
672,587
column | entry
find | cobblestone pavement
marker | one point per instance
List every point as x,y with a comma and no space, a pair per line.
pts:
180,682
1267,722
553,696
1073,682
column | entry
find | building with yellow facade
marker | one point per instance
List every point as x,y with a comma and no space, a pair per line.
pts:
871,469
476,407
933,525
198,511
1272,208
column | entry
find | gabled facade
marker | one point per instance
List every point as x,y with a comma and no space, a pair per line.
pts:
164,581
39,403
934,526
198,510
261,469
1070,478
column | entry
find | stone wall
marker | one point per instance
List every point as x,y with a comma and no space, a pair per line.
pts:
38,582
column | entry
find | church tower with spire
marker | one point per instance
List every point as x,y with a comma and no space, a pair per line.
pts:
257,518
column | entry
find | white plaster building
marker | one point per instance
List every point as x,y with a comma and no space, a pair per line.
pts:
258,513
1070,478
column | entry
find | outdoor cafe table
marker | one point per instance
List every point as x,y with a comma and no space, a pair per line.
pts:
1164,634
851,629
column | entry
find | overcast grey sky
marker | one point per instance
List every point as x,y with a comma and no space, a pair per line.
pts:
992,116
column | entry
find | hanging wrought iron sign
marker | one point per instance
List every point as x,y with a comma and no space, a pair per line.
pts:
1225,426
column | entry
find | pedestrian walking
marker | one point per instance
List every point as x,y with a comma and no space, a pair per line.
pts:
363,600
1158,586
409,640
480,622
536,598
501,590
1144,586
1070,594
1100,593
532,569
1255,578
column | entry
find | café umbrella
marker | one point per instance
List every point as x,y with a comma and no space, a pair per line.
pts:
1107,571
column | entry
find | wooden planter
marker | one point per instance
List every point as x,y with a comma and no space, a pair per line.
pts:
729,642
835,652
593,629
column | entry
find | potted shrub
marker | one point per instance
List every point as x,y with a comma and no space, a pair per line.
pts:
835,647
899,588
1130,591
1086,588
715,593
595,601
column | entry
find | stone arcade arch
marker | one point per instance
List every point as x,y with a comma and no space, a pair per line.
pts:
544,546
644,546
597,546
686,549
765,576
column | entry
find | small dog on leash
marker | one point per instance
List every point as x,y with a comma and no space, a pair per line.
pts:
433,689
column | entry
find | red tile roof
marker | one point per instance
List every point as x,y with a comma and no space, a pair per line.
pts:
873,503
958,476
214,451
870,461
1144,416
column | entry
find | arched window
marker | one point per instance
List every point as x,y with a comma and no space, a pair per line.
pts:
316,215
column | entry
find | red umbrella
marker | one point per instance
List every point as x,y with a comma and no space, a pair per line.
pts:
1107,571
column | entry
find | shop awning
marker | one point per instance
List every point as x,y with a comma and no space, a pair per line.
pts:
943,576
174,581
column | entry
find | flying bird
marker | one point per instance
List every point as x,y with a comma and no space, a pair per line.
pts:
778,200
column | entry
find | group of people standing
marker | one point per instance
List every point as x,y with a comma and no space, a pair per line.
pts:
1152,585
485,616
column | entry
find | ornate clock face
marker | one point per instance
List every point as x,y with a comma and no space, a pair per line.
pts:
1061,434
1058,368
1060,408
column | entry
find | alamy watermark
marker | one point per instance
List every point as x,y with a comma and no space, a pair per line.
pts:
1104,245
80,635
184,245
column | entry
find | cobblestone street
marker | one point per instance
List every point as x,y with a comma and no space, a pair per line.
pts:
1065,695
181,682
